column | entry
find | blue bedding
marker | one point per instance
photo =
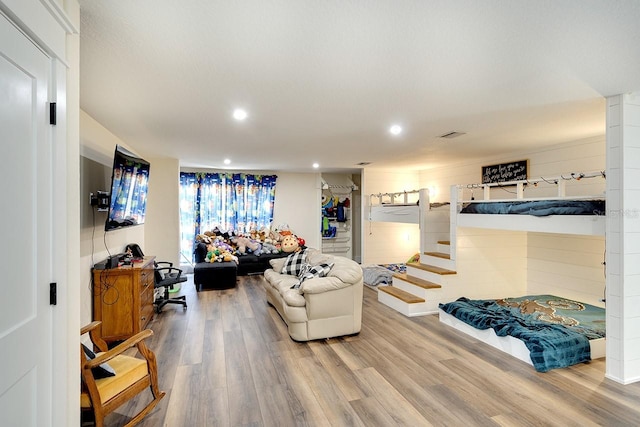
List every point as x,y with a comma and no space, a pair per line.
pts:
538,207
555,330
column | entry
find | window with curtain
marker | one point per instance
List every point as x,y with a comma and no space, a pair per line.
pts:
231,202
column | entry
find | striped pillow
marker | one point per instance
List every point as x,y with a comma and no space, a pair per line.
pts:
295,263
309,272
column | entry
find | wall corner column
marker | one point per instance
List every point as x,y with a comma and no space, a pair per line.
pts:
623,238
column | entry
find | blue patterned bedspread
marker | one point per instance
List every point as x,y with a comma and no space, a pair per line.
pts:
555,330
538,207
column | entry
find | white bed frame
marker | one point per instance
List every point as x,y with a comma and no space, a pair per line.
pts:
413,207
402,207
508,344
591,225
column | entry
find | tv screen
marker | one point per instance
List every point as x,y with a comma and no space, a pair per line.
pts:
129,187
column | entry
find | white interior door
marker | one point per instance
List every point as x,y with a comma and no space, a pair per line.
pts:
25,194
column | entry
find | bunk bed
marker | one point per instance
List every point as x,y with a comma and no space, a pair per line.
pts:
581,215
498,322
403,206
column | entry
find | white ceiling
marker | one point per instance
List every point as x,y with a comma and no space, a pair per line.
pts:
323,80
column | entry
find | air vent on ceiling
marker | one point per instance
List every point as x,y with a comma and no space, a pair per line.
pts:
451,135
363,163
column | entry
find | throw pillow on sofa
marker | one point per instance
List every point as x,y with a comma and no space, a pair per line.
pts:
294,263
309,272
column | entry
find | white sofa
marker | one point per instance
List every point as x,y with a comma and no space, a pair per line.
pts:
322,307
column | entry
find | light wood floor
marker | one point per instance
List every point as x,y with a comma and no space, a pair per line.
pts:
228,361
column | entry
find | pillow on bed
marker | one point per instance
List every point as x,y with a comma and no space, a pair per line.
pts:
294,263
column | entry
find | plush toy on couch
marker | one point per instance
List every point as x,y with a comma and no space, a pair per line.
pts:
219,250
244,244
290,244
269,248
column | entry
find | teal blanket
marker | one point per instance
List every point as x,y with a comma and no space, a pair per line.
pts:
555,330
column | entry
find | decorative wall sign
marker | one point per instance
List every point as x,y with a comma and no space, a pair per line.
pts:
512,171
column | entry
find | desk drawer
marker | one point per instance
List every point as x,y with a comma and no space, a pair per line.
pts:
146,278
146,306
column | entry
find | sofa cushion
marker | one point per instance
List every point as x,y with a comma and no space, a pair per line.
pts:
280,282
318,285
346,270
294,263
316,257
277,264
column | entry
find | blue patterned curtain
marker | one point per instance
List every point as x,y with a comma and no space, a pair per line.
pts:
231,202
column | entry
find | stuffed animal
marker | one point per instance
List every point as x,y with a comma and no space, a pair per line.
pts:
240,243
255,247
275,237
203,238
269,248
217,232
290,243
244,244
219,250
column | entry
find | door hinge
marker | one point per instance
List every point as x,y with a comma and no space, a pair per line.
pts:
52,113
53,293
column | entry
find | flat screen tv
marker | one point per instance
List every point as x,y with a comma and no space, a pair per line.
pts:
129,187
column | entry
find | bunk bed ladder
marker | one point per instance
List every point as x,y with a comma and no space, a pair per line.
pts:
419,291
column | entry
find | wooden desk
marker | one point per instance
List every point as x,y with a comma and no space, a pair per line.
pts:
123,299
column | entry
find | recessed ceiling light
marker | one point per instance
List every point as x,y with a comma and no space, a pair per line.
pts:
239,114
227,161
395,130
316,166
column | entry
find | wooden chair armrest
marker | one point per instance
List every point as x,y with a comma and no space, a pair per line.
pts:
95,335
90,327
136,340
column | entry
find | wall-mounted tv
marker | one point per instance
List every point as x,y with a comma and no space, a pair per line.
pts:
129,187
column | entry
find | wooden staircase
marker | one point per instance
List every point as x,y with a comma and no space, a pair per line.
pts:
419,291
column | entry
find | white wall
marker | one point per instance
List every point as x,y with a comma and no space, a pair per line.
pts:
162,220
623,237
575,156
298,203
565,265
490,264
385,242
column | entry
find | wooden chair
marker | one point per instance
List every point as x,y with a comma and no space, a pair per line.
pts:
132,375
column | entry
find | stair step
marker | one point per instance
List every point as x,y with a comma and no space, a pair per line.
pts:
438,255
424,284
431,268
444,242
401,295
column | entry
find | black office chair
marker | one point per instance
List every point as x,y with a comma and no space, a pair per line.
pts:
165,276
